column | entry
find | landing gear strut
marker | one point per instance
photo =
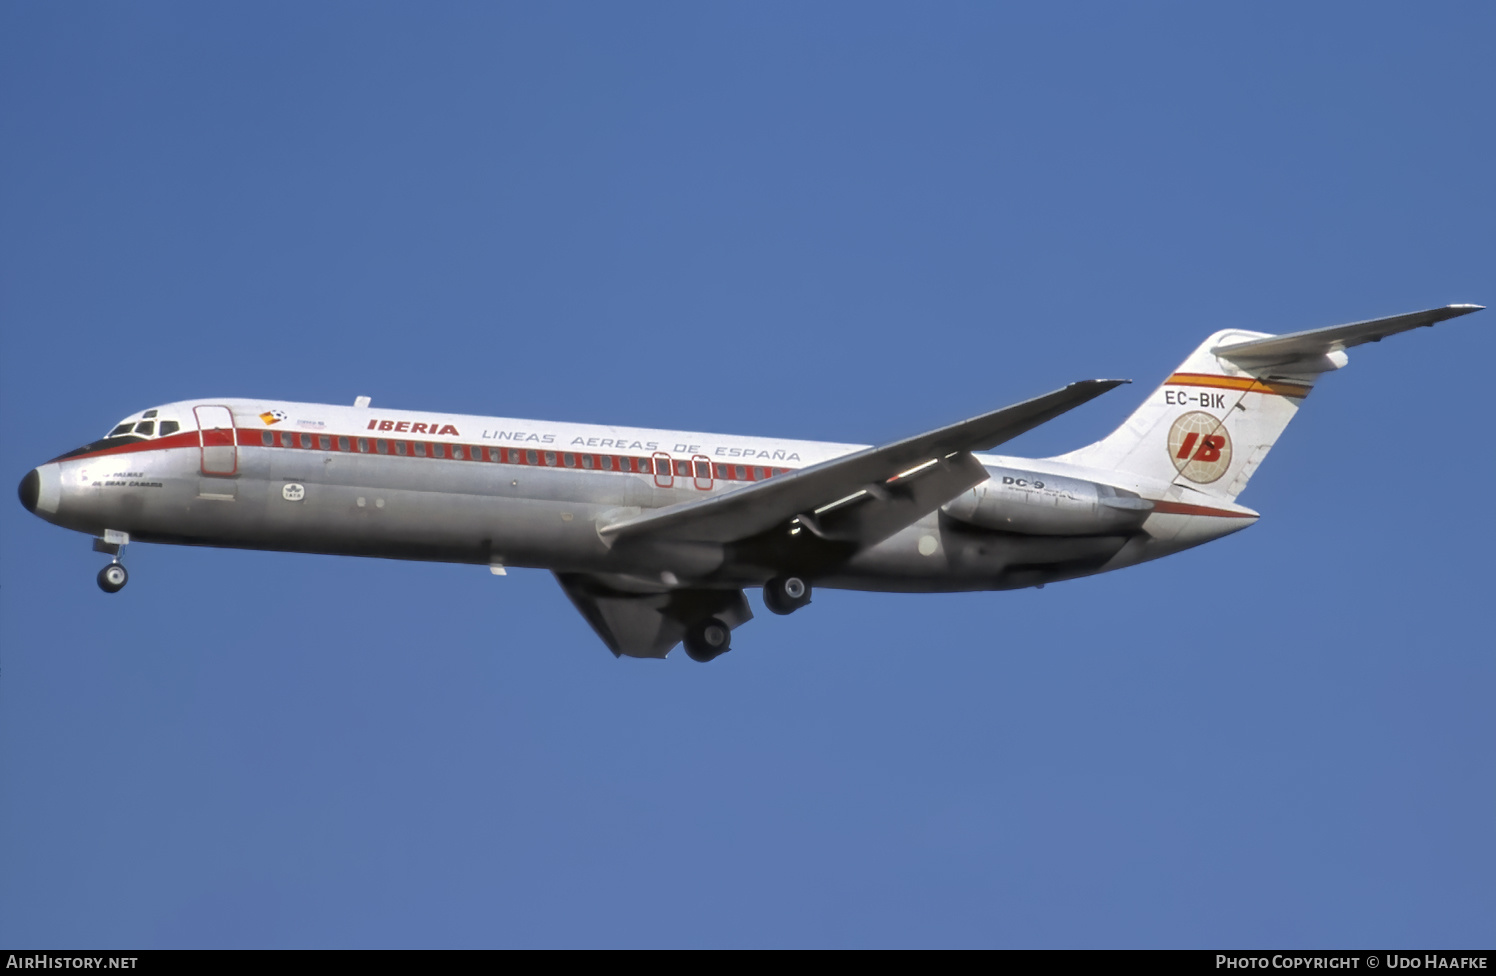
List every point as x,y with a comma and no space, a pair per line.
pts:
786,594
112,578
708,640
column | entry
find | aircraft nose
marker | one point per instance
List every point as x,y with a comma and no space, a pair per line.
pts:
30,489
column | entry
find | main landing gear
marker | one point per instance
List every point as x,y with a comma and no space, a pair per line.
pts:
786,594
708,640
712,637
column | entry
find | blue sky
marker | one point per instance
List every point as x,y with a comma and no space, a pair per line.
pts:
840,221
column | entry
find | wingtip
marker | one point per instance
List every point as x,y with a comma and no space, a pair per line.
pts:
1098,386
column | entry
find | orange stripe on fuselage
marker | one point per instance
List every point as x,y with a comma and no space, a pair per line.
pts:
1245,383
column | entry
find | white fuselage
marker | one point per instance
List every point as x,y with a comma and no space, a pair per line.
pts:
515,493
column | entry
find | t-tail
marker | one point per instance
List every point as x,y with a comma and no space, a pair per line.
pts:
1214,419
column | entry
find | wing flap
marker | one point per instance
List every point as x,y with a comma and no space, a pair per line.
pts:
877,512
1297,346
876,470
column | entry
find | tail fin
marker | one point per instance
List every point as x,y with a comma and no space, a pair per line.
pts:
1214,419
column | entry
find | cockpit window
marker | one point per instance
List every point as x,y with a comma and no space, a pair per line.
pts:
169,427
121,429
146,428
148,415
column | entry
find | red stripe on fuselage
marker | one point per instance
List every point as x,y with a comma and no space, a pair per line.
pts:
290,439
1180,508
183,439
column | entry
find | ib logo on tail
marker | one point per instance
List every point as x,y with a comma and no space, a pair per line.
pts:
1200,447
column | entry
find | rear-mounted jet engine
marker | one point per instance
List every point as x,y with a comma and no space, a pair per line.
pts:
1042,504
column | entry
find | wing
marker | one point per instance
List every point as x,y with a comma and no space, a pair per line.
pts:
650,622
865,496
1318,342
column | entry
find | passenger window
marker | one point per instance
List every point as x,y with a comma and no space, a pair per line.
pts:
288,439
325,441
586,460
169,427
437,450
739,473
420,448
342,443
550,459
146,428
495,455
570,460
268,439
382,446
457,452
363,445
399,447
531,457
758,474
644,465
121,429
306,440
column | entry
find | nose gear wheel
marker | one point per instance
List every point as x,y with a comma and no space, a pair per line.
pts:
112,578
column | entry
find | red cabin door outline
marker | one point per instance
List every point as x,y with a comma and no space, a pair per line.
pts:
664,470
702,471
217,439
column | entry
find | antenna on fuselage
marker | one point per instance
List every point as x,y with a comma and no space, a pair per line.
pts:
360,401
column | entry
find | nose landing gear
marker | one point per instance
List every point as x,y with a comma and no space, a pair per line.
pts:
112,578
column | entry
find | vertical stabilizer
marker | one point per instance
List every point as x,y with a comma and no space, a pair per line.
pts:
1211,422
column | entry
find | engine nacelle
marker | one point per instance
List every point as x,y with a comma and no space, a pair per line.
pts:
1041,504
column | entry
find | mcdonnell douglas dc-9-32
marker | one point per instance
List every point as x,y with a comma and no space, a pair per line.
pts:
655,534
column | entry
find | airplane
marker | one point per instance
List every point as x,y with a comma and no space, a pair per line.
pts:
655,534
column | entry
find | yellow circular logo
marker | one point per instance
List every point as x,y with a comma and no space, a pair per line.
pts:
1200,447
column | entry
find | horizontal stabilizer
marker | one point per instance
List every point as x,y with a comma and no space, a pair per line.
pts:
1295,346
748,511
